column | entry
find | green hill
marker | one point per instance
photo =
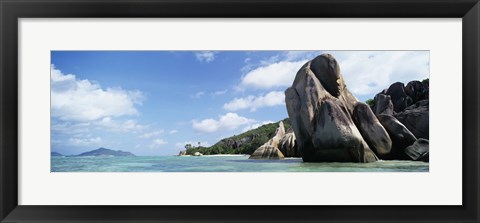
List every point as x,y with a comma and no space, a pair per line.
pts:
106,152
245,143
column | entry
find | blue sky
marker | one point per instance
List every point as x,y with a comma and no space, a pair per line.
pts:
155,102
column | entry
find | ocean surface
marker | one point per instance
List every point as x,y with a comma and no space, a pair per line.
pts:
221,163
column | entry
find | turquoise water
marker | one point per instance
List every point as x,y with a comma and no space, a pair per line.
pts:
221,164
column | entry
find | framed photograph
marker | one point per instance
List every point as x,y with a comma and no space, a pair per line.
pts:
227,111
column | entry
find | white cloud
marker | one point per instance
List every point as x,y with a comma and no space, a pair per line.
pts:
218,93
70,128
85,141
117,126
199,94
173,131
365,72
278,74
228,121
157,143
300,55
207,56
254,102
105,124
206,125
181,145
256,125
369,72
270,60
82,100
148,135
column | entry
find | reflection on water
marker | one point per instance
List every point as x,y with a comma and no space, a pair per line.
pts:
239,163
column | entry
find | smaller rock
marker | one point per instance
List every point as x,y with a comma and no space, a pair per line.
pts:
270,150
372,131
383,105
182,153
416,90
279,133
416,118
418,151
267,152
399,134
198,154
400,99
288,145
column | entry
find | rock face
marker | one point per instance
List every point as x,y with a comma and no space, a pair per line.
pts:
401,137
267,152
182,153
372,131
410,105
399,98
417,90
270,150
418,151
320,109
416,118
236,143
288,144
404,113
197,154
383,105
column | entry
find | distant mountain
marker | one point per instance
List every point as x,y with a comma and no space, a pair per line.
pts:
55,154
245,143
106,152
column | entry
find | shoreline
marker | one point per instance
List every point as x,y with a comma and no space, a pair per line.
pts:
220,155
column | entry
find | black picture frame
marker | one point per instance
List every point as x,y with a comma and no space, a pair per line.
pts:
12,10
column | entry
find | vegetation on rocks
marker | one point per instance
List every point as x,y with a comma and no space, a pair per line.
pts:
245,143
370,102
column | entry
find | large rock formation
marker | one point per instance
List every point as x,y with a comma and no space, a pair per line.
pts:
404,112
398,97
320,108
331,125
270,150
